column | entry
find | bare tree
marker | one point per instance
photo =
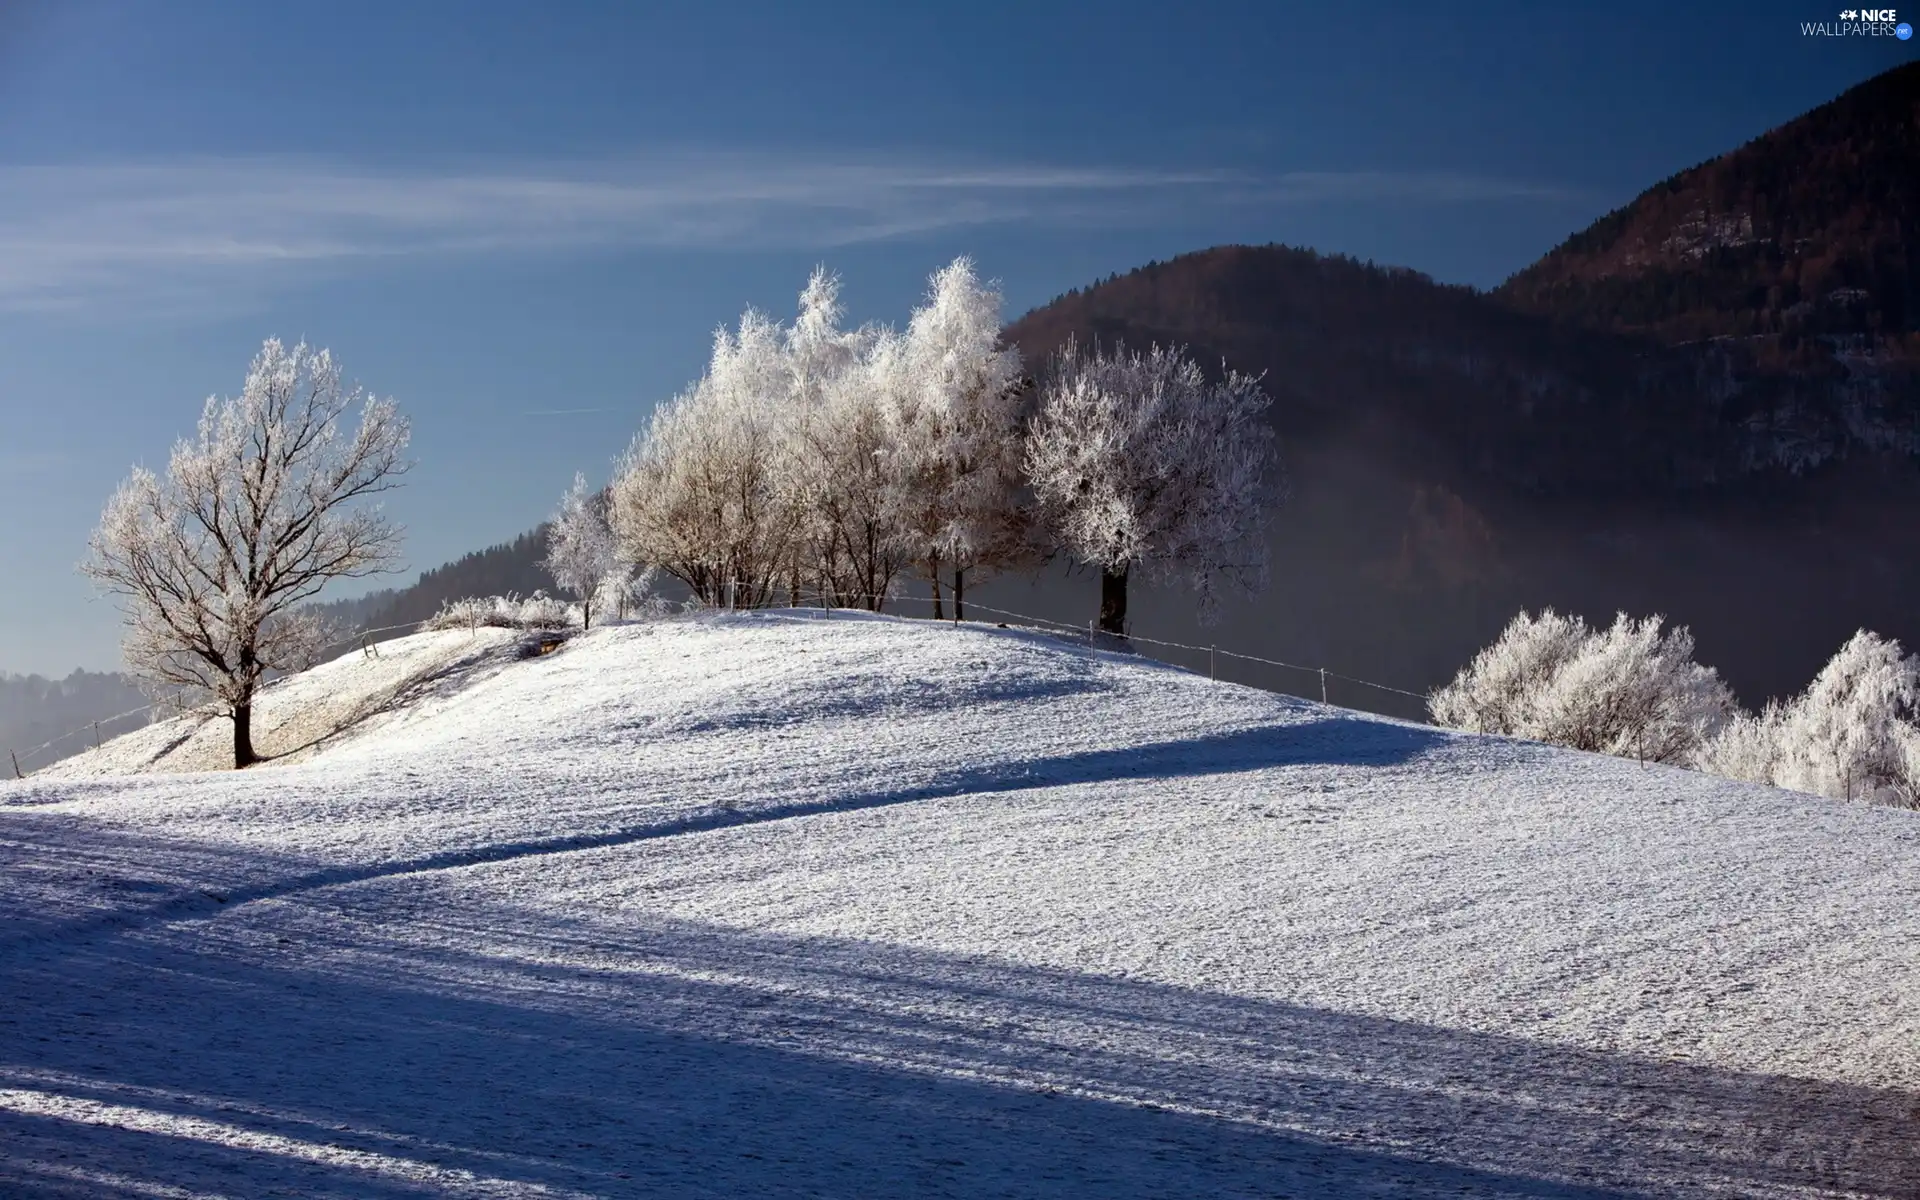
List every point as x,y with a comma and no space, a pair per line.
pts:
256,515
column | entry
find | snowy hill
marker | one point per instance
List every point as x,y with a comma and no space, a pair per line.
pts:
766,905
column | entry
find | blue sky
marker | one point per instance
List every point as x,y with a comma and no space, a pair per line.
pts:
524,220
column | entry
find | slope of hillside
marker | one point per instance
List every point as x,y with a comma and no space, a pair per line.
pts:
774,905
1808,233
295,717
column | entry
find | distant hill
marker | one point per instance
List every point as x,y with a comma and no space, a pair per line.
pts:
1707,404
1807,237
511,567
1455,457
34,709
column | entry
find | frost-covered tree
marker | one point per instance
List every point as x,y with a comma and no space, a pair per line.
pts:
258,512
837,470
700,494
1851,735
1634,689
1139,463
582,556
629,594
1631,690
846,486
953,393
821,458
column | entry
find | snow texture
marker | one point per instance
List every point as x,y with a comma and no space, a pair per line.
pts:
764,904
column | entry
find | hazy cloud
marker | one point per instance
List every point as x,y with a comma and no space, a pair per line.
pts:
72,234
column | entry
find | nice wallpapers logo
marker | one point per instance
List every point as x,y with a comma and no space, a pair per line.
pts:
1860,22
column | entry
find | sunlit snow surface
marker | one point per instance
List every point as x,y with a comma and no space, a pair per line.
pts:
766,905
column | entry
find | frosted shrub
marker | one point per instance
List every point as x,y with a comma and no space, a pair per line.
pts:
1747,749
1905,789
1844,737
1631,690
1635,691
632,597
538,611
1851,735
1507,680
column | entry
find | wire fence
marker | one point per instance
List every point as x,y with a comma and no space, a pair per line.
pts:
1096,637
359,638
820,602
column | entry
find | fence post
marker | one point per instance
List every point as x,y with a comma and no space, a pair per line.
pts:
96,735
1212,673
16,765
1323,685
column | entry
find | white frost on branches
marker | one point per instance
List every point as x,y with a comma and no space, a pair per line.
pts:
819,461
1138,461
953,412
816,459
582,556
1851,735
837,473
700,494
1631,690
257,513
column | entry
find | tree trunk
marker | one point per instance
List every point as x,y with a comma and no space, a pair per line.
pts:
959,593
586,615
243,755
1113,601
933,576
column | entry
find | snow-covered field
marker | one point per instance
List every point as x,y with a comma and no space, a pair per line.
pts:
764,905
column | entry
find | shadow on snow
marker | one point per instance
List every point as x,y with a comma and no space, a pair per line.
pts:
31,839
632,1053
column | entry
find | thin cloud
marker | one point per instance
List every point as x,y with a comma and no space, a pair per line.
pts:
73,234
